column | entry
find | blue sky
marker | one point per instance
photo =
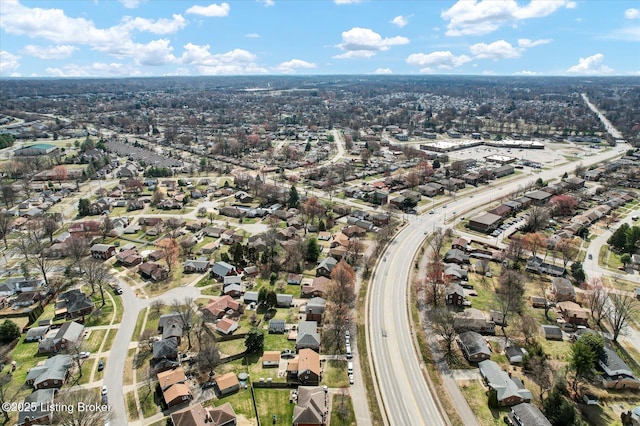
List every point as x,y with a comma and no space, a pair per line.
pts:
118,38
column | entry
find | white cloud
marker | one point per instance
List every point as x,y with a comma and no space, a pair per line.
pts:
526,43
50,52
213,10
497,50
632,13
267,3
237,61
347,1
400,21
591,65
626,34
364,43
443,60
252,35
526,73
383,71
8,63
502,49
97,69
130,4
156,52
485,16
290,67
160,26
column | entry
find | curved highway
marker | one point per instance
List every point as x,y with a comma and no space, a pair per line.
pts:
406,397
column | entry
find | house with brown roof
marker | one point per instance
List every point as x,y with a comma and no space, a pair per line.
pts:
227,384
152,271
197,415
305,369
311,406
563,290
174,389
102,251
317,287
573,313
221,306
270,359
226,326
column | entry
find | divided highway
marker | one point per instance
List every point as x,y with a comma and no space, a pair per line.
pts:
405,396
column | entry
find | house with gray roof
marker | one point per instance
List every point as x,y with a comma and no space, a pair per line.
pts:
198,265
277,326
221,269
165,349
616,373
35,334
308,336
473,346
315,309
73,304
325,267
509,390
37,401
52,374
527,414
284,300
311,406
57,340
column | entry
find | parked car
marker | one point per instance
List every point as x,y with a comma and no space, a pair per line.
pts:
351,379
117,289
101,365
83,355
104,390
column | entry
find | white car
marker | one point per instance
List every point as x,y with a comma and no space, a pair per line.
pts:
83,355
104,390
351,379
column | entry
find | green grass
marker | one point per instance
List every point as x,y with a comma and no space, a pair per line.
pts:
87,366
141,365
274,402
102,314
475,395
147,402
277,342
128,367
132,410
232,347
560,351
111,335
93,342
139,321
335,374
342,410
241,402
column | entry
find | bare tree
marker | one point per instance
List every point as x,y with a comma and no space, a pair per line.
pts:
341,299
74,397
433,283
185,312
209,355
74,349
156,306
97,275
438,237
622,309
106,227
569,249
597,298
78,248
541,373
544,286
530,328
32,246
510,294
171,251
146,340
49,227
443,324
5,227
187,243
538,219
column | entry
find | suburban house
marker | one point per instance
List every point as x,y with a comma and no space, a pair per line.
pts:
311,406
226,326
509,390
284,300
317,287
527,414
227,384
38,414
455,294
473,346
165,349
197,415
73,304
472,319
308,336
551,332
537,265
277,326
174,389
325,267
271,359
57,340
573,313
221,269
563,290
198,265
305,369
616,373
35,334
152,271
52,374
315,309
515,354
103,251
223,305
128,258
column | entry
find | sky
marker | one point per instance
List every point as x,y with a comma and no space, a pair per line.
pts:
124,38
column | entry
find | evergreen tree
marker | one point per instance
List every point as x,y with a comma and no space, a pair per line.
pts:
9,331
83,207
254,342
313,250
294,198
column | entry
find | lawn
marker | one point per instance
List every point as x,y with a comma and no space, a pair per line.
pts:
335,374
132,409
475,395
26,356
111,335
342,410
241,402
128,367
101,315
277,342
560,351
231,347
141,363
139,322
274,402
87,366
94,340
147,401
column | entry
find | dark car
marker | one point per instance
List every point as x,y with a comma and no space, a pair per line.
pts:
117,289
207,385
101,365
